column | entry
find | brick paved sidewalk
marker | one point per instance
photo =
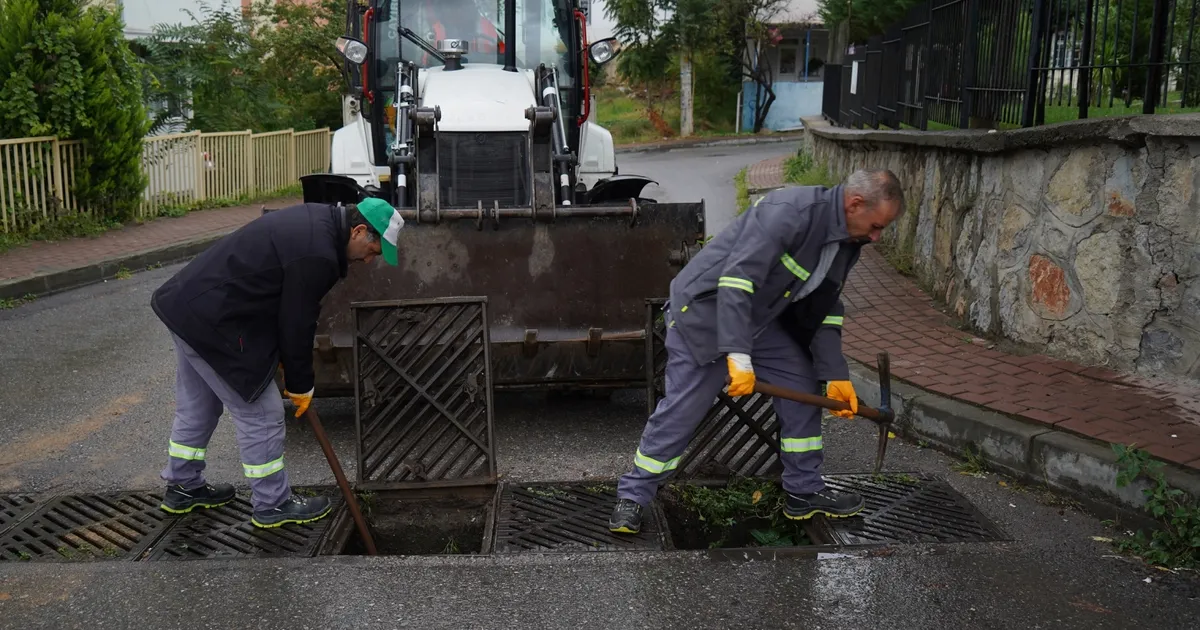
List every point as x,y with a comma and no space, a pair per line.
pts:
766,175
887,311
40,258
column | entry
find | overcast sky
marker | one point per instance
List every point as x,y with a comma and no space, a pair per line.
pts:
601,26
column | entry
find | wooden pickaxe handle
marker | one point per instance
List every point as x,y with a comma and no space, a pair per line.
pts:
870,413
343,484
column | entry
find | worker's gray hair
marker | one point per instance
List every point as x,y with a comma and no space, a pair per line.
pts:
876,185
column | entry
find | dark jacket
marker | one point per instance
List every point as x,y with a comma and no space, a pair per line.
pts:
252,299
765,267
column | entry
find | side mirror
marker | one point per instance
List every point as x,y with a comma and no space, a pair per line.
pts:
352,49
604,51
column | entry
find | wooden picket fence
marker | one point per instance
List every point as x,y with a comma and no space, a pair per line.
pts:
37,175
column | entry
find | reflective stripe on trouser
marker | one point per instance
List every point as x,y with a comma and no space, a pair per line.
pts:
200,397
691,390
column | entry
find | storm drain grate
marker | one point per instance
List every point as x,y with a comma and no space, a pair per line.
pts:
566,517
87,527
424,390
226,532
908,508
14,507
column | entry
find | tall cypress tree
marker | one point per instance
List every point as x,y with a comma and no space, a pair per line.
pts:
67,71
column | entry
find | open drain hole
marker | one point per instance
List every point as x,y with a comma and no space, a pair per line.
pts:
746,512
437,524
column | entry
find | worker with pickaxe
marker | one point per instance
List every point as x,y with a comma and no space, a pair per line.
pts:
764,298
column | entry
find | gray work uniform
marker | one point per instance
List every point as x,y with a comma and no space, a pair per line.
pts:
742,294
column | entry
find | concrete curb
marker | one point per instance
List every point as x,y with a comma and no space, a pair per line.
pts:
702,143
67,279
1080,467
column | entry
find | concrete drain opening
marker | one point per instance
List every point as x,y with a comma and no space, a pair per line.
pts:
450,521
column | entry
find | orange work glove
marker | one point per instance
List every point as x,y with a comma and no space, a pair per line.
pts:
842,391
302,401
741,375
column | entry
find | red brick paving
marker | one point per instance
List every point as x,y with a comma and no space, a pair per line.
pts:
46,257
886,311
766,174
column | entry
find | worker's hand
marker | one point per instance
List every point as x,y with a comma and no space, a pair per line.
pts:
842,391
741,375
302,401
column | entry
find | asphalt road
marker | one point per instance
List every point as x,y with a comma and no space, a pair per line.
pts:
86,405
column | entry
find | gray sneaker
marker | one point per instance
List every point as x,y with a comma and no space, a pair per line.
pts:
178,500
296,509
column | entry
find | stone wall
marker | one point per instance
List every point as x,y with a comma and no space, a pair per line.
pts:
1081,238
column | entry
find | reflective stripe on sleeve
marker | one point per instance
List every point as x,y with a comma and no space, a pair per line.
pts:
834,320
736,283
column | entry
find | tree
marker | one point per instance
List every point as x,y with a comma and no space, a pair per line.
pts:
67,71
866,18
214,64
301,65
652,30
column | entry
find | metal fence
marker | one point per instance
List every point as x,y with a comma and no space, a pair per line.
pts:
1020,63
38,175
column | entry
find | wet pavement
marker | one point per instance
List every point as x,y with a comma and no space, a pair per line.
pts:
86,405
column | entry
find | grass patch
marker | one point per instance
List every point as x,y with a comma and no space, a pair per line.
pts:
802,170
630,121
743,191
11,303
1176,543
747,512
973,464
123,273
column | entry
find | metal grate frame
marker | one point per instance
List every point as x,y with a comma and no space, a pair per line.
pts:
87,527
226,532
14,508
908,508
423,393
567,517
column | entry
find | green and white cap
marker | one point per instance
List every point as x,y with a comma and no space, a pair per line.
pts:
384,218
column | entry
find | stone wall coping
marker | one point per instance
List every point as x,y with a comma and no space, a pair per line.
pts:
1125,130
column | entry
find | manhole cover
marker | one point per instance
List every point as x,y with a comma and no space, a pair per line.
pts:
226,532
87,527
908,508
13,508
566,517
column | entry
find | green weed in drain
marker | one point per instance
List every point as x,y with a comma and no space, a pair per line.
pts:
452,547
112,552
973,464
743,499
24,556
600,489
549,493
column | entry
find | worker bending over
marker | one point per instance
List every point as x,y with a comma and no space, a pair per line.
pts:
245,306
764,298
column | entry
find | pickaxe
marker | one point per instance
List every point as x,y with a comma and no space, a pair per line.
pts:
883,416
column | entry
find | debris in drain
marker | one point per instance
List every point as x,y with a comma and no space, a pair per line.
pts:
747,512
426,526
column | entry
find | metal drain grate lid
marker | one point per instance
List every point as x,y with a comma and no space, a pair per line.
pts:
908,508
226,532
14,507
87,527
566,517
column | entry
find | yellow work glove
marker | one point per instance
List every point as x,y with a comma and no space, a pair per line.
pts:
842,391
302,401
741,375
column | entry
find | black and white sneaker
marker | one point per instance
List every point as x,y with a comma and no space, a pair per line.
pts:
833,504
626,517
178,500
296,509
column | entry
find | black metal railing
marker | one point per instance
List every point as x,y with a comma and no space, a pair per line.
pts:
1020,63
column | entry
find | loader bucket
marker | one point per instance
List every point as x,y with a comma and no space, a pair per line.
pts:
566,298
